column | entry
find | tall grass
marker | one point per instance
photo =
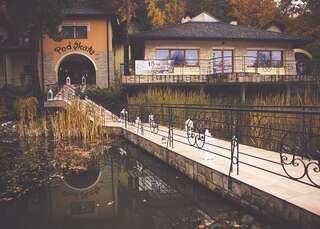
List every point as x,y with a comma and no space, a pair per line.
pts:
75,122
28,125
175,96
171,96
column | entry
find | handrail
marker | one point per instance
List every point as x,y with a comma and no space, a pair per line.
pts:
238,69
245,108
292,134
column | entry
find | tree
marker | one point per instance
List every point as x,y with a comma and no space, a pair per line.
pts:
155,13
255,13
217,8
175,10
306,23
36,18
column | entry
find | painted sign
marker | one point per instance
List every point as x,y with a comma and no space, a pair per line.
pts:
147,67
76,46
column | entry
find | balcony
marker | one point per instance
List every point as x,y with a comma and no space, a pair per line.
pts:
220,71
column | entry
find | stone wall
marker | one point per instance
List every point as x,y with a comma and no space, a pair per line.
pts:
100,60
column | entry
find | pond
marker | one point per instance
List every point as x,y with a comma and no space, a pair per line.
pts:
114,185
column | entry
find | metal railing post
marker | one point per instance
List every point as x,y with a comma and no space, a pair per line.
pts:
170,128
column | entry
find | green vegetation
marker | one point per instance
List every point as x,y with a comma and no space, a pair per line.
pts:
112,99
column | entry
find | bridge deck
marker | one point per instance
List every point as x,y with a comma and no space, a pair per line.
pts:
299,194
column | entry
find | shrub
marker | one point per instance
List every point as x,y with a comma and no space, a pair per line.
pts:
112,99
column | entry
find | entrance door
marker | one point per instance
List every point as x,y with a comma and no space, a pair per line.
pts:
76,66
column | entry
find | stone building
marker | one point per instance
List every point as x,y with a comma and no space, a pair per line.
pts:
88,48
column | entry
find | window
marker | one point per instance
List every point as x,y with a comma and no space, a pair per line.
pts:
180,57
276,58
74,32
68,32
222,61
81,32
264,58
192,57
162,54
259,58
251,59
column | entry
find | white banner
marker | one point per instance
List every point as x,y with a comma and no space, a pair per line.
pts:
149,67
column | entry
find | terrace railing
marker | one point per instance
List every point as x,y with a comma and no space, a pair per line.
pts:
292,133
237,69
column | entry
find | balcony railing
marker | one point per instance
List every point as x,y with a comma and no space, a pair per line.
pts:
238,69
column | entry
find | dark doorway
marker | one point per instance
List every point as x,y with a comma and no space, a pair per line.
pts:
76,66
303,64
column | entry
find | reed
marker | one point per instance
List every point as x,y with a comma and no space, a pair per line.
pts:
28,117
78,122
176,96
75,122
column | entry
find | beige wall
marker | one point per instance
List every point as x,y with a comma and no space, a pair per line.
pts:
97,39
239,50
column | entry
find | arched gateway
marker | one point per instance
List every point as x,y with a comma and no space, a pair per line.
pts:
76,66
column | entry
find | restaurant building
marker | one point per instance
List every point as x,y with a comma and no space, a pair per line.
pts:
203,49
89,48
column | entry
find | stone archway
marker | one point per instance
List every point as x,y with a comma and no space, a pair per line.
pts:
76,66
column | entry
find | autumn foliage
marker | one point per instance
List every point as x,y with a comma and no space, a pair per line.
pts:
253,12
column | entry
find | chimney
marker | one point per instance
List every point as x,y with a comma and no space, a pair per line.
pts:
185,19
234,22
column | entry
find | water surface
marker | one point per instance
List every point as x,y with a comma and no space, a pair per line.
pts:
107,186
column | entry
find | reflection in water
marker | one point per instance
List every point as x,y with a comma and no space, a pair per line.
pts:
121,187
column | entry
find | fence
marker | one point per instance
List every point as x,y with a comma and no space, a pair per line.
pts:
233,69
292,132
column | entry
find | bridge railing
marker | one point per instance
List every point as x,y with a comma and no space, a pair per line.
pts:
291,132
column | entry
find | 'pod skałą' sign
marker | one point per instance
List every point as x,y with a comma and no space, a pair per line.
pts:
76,46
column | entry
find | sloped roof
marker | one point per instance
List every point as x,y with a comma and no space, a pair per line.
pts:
214,31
